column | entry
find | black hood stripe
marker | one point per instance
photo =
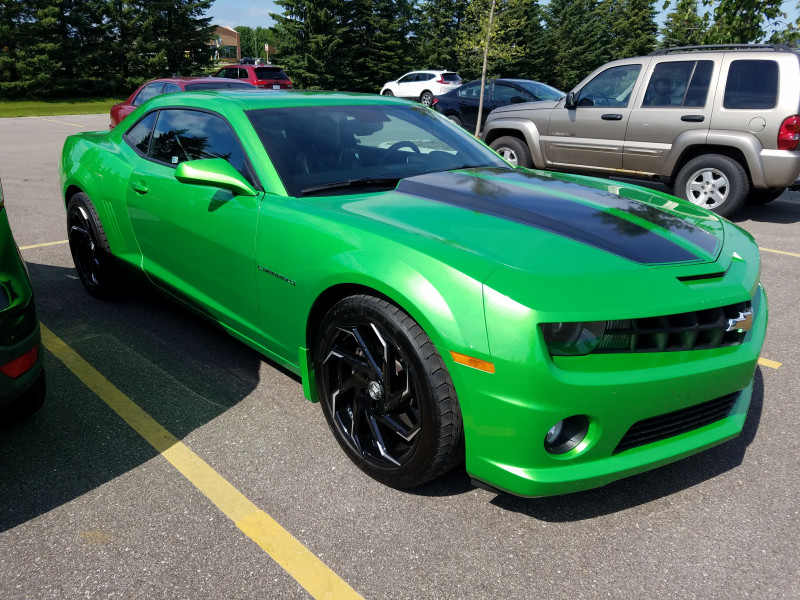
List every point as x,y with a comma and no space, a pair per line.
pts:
571,219
652,214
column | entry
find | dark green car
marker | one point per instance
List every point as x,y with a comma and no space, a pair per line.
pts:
22,387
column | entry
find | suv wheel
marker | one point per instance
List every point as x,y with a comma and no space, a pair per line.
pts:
713,181
388,93
426,99
514,150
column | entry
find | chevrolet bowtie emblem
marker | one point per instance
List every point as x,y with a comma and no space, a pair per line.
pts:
744,322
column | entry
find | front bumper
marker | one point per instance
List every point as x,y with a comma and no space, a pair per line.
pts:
507,414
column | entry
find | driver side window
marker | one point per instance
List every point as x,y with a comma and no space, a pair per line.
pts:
610,89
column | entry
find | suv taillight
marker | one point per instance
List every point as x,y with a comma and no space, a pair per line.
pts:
789,133
441,80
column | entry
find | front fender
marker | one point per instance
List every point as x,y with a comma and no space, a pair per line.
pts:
528,130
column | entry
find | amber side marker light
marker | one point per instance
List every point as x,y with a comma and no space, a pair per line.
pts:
471,361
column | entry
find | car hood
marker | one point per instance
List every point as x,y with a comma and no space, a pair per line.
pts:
540,105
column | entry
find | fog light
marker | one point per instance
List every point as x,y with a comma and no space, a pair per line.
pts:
566,434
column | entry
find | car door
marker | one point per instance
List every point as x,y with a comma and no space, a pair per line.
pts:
468,96
591,135
678,98
405,85
197,241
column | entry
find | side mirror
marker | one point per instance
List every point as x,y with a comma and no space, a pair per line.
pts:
571,101
216,172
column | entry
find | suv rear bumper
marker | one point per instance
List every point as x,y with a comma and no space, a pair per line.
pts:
781,168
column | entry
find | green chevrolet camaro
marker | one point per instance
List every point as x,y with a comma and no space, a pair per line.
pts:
555,332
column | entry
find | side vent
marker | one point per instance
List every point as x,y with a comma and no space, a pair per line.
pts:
704,277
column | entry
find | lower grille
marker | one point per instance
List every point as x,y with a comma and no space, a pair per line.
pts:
674,423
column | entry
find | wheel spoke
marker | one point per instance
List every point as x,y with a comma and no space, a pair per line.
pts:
395,426
358,366
378,439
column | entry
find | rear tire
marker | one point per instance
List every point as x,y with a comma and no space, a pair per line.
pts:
764,196
426,99
713,181
387,93
514,150
386,393
91,253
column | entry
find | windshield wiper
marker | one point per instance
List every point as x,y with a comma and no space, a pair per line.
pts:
352,183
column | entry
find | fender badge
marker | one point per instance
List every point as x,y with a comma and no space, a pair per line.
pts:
744,322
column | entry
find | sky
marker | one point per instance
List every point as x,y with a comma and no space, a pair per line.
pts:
255,13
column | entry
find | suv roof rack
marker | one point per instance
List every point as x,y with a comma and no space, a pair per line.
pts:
711,47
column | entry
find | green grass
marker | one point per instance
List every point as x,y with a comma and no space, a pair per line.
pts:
40,108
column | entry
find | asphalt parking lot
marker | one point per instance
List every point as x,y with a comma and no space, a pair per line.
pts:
89,508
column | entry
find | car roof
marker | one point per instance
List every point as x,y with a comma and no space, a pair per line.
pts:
257,99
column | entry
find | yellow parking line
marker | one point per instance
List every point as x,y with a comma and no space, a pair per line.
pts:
795,254
765,362
62,122
58,243
297,560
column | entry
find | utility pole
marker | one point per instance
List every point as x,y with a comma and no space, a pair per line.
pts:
483,73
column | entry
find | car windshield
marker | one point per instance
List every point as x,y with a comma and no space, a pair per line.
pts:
217,85
325,149
542,91
270,73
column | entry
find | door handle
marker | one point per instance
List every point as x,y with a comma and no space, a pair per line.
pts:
612,117
139,187
693,118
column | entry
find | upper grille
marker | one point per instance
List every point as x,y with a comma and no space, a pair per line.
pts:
674,423
16,324
696,330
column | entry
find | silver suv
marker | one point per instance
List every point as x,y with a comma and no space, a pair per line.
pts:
719,124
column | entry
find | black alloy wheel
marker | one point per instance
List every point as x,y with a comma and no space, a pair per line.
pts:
89,248
390,408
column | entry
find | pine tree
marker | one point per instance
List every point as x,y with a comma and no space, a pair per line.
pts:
633,27
742,21
437,33
683,26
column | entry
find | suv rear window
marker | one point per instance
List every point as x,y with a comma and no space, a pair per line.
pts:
270,73
222,85
752,84
451,77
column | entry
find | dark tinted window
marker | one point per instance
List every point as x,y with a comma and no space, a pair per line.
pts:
182,135
679,83
451,77
472,90
244,74
218,85
220,73
752,84
426,77
698,88
542,91
316,146
407,78
503,93
139,135
270,73
151,90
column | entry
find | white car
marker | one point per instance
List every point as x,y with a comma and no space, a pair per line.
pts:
422,85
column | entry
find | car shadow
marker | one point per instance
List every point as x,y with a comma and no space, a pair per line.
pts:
786,209
625,493
180,368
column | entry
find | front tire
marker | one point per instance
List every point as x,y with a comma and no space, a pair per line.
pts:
514,150
387,93
386,393
456,120
426,99
713,181
90,250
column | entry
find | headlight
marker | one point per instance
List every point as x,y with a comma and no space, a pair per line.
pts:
573,339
